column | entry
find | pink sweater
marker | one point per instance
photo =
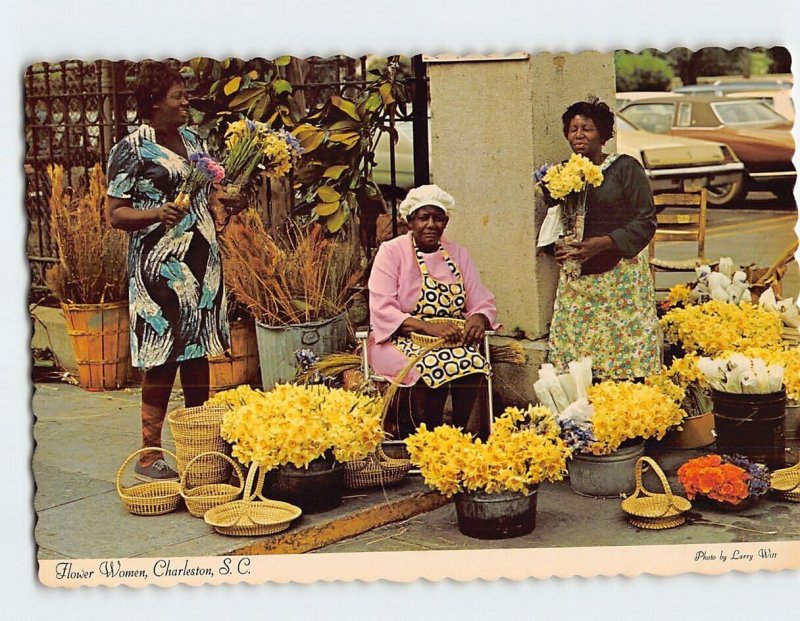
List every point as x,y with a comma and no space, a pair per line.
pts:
394,289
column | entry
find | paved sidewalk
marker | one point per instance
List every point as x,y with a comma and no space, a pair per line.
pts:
82,438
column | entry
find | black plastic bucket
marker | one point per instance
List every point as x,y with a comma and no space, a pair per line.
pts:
496,516
314,489
751,425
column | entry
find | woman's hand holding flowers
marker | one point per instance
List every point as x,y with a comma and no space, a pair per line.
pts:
171,213
583,251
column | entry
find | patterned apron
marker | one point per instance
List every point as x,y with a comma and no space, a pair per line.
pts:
438,299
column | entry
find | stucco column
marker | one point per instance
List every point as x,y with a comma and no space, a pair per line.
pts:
494,120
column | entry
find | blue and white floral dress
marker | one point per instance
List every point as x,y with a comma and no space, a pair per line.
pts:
176,296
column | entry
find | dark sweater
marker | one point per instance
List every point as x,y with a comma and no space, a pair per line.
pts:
622,208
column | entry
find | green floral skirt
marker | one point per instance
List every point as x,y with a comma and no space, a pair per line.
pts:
610,317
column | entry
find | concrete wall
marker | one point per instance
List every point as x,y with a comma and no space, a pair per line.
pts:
493,122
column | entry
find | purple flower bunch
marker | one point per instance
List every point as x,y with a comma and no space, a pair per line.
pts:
306,359
578,436
295,148
207,166
759,482
540,172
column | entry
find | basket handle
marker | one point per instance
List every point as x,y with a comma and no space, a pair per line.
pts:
394,385
146,449
250,485
232,462
659,472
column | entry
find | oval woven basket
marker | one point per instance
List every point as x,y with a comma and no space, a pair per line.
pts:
433,342
152,498
786,483
654,510
201,498
197,430
253,515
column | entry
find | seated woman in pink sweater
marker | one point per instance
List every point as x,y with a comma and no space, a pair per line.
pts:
422,275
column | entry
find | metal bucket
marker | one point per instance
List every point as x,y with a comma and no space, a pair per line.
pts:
496,516
791,424
314,489
277,345
605,476
751,425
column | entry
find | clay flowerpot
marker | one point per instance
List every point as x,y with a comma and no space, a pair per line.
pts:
695,432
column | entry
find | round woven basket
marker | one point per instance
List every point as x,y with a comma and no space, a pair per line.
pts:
195,431
657,523
423,340
201,498
153,498
656,509
786,483
254,515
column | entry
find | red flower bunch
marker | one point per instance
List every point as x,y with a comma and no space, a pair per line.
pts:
712,476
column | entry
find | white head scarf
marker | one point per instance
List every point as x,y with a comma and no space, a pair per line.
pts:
423,196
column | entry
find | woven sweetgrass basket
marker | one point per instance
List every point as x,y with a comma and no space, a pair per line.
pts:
786,483
201,498
655,511
423,340
195,431
253,515
152,498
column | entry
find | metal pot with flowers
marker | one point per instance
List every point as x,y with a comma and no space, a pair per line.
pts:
495,483
300,437
605,424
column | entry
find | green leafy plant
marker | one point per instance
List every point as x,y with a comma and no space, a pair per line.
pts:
339,135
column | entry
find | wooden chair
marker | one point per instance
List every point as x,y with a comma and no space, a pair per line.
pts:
677,223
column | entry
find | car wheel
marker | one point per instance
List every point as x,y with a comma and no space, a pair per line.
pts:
728,195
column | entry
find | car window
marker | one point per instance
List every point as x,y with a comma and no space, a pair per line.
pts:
684,114
744,112
653,117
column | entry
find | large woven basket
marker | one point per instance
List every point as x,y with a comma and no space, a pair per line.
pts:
378,469
786,483
423,340
253,515
153,498
655,511
201,498
195,431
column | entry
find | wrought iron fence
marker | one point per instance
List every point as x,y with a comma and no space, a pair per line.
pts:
75,111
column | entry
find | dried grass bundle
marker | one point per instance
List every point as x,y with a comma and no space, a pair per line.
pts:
92,256
332,365
297,277
511,353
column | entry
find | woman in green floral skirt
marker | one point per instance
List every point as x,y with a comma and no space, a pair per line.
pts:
608,312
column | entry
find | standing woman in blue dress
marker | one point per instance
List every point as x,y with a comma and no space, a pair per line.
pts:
178,314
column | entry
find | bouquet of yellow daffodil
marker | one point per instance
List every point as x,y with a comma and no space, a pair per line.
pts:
297,424
620,411
571,177
568,182
683,382
525,449
252,145
716,326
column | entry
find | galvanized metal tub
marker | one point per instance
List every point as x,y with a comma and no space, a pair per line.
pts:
605,476
277,345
